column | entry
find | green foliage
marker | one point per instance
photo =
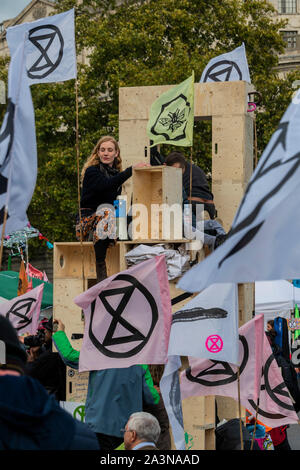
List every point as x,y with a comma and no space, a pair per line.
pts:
142,43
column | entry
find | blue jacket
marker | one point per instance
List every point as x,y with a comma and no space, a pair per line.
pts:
30,419
113,394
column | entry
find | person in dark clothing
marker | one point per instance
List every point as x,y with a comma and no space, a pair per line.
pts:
200,193
30,419
47,366
102,181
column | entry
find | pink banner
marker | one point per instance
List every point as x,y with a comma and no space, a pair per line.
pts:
34,272
23,311
127,318
260,377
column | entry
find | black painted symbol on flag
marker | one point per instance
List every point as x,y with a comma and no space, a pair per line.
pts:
223,67
20,309
175,398
198,313
220,369
173,119
263,170
49,41
117,319
8,133
275,392
3,190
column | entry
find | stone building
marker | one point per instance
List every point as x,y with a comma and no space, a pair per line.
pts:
289,10
35,10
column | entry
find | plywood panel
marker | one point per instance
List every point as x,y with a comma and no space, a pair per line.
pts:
69,257
199,421
210,99
158,193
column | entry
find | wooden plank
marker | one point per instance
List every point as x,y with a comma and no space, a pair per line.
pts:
68,259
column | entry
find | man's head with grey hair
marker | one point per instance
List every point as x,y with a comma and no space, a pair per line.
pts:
141,427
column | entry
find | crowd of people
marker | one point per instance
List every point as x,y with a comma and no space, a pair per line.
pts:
124,406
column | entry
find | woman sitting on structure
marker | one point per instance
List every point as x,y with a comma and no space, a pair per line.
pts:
102,181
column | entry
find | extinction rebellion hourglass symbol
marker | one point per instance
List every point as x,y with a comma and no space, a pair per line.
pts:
50,43
214,343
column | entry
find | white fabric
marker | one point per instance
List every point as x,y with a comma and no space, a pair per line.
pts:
206,335
170,391
274,296
177,260
275,299
58,48
263,243
18,151
228,67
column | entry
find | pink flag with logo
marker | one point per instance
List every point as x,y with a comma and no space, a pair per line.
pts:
275,403
23,311
127,318
260,378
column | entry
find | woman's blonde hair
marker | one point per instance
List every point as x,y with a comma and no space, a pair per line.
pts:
94,159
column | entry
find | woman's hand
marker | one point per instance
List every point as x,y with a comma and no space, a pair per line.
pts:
141,165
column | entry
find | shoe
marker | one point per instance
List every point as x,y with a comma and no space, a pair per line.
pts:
101,270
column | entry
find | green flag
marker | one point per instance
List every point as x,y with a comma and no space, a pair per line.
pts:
171,118
297,332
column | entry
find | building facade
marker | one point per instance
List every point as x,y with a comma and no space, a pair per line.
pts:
290,11
35,10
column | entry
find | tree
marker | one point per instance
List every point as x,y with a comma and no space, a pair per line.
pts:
142,43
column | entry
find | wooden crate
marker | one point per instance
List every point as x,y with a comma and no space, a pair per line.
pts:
157,203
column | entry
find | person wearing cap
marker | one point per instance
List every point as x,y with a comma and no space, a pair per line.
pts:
30,419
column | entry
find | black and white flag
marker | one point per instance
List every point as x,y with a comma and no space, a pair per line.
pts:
229,67
42,51
263,242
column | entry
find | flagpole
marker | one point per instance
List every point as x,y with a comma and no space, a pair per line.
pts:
191,163
255,144
78,182
2,236
240,414
255,422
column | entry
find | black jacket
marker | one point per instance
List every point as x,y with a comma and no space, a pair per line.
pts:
102,186
200,187
30,419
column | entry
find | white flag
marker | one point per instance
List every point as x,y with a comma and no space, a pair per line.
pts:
42,51
18,160
207,326
170,391
263,242
229,67
50,48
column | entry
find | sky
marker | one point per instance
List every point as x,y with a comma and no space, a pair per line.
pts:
11,8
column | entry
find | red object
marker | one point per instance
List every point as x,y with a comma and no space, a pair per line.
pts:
278,435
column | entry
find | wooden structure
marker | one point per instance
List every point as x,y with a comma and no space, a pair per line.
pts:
157,195
225,104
